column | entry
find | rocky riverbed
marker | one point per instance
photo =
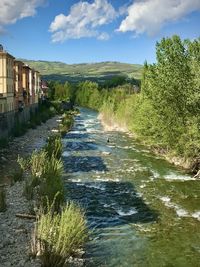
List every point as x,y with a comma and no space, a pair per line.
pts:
15,233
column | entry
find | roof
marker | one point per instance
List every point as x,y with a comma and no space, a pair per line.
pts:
26,67
18,62
6,54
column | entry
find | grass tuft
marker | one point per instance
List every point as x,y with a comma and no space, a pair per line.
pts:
59,236
54,146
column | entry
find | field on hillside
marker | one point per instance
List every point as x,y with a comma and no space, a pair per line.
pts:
78,72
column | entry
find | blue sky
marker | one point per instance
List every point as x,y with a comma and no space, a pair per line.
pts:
94,30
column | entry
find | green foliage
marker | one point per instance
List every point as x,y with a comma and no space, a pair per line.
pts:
46,170
115,81
37,165
170,99
57,106
167,111
54,146
66,124
46,173
2,200
58,236
88,95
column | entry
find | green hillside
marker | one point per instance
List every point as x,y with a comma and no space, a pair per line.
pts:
78,72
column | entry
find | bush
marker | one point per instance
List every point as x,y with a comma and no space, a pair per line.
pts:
2,200
58,236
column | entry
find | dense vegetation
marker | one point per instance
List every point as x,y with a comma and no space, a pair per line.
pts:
74,73
166,113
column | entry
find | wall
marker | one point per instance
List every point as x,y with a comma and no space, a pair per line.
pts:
7,120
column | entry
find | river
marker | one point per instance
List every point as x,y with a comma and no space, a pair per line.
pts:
142,211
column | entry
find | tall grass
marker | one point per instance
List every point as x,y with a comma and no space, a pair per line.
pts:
58,236
54,146
52,183
37,166
67,122
46,168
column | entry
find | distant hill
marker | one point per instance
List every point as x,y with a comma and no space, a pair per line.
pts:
78,72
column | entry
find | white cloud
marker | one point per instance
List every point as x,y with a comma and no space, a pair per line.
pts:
82,21
151,15
103,36
13,10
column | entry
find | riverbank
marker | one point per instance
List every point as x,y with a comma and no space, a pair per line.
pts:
186,164
15,232
23,146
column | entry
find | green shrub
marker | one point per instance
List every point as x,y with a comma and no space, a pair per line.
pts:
57,106
2,200
58,236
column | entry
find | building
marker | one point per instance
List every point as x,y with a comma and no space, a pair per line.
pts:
37,86
7,102
18,87
45,89
26,84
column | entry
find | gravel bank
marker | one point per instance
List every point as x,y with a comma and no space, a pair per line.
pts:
15,233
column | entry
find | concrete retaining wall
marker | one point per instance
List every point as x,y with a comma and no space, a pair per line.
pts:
8,119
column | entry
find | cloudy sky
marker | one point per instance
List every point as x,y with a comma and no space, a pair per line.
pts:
76,31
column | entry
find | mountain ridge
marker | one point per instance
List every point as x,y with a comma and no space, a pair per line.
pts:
99,71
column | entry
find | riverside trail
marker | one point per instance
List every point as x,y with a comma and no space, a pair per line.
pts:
142,210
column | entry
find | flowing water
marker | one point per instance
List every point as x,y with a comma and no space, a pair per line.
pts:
142,210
